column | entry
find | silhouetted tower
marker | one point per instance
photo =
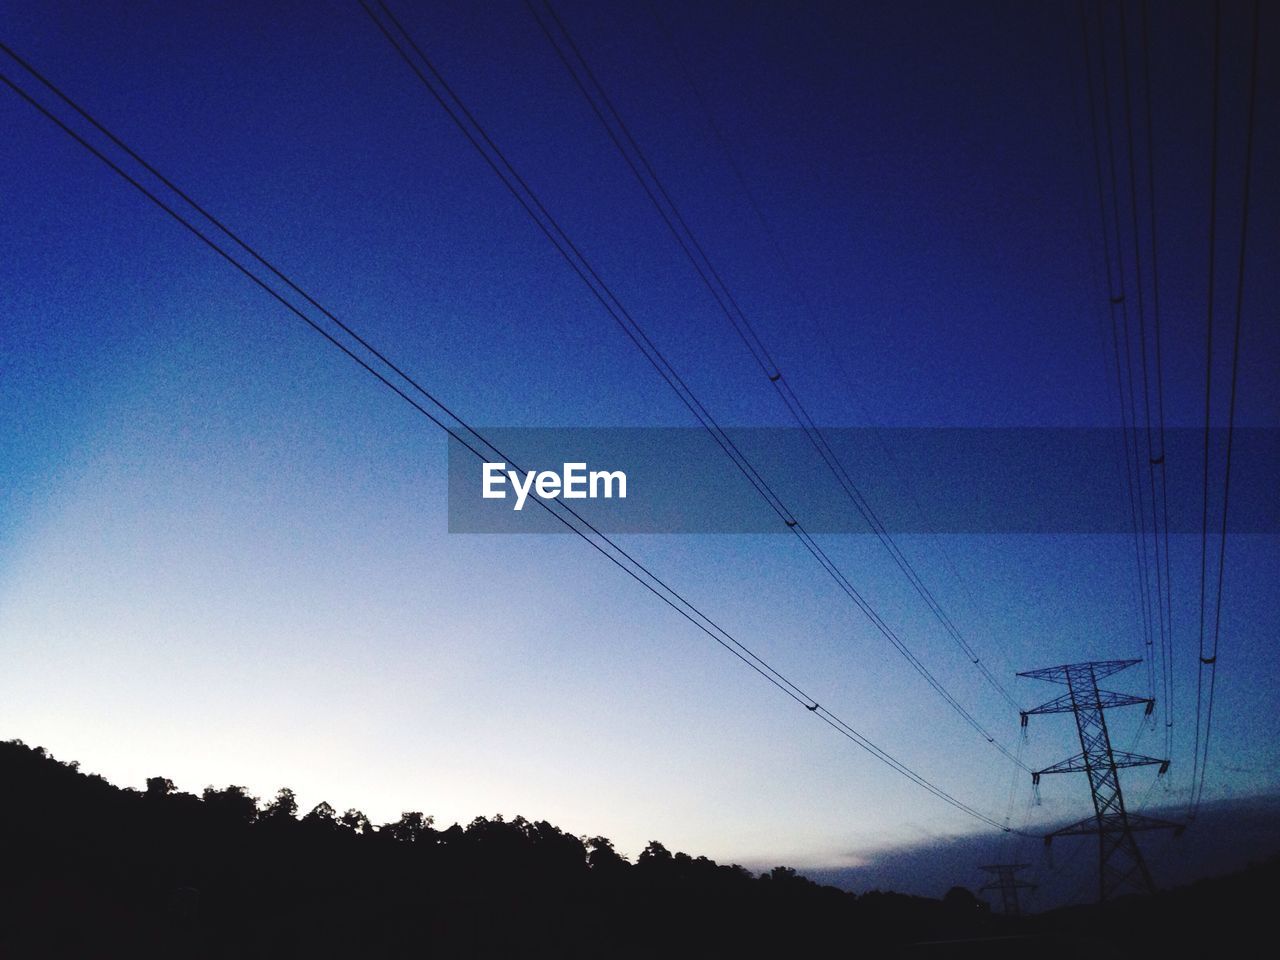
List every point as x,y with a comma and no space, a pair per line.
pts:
1119,859
1008,885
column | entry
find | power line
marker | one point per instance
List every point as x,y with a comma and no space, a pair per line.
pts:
1106,329
587,532
1114,299
1120,298
1155,309
546,222
1212,660
1162,586
816,317
729,305
1208,386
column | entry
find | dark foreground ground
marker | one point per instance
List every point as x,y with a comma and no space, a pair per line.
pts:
92,870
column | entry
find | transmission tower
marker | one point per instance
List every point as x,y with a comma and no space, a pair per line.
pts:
1008,885
1120,861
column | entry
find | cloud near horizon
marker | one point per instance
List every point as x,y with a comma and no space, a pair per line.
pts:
1225,836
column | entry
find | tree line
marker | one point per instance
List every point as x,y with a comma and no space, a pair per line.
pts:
222,874
95,870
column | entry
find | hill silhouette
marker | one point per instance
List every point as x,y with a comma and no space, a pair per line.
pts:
95,870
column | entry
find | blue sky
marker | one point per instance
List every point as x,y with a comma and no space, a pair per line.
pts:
223,548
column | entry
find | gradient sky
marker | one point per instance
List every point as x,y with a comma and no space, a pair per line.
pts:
223,547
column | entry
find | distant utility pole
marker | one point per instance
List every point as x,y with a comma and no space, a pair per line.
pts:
1120,861
1008,885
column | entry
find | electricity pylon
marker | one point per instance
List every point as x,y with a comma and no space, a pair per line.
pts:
1008,885
1119,859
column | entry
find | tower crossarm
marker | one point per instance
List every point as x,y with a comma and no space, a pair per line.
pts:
1060,674
1114,823
1002,884
1008,884
1106,700
1081,763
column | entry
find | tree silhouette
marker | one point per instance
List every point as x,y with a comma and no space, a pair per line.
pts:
283,808
654,857
603,859
356,822
230,803
412,827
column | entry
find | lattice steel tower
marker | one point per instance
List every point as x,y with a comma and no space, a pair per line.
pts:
1008,885
1120,861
